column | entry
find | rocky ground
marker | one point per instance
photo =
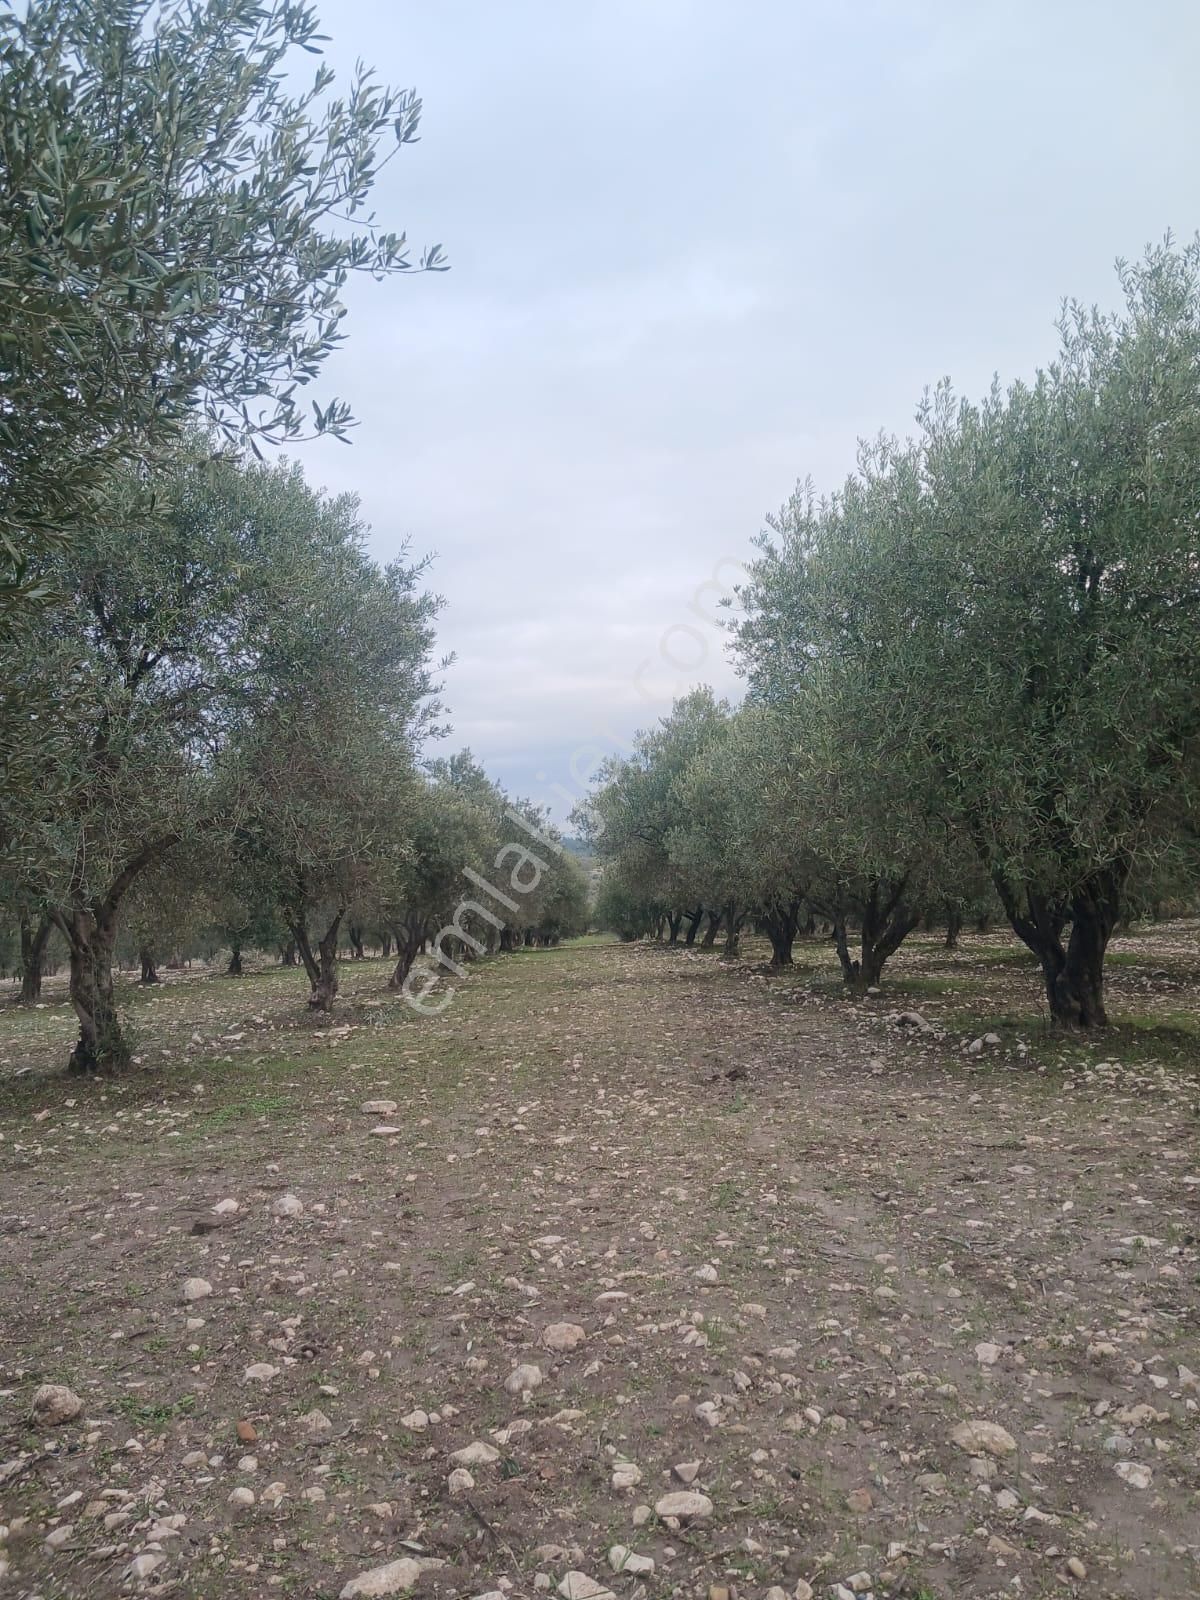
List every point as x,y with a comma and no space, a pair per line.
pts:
635,1271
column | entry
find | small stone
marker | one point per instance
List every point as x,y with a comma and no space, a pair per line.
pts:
859,1583
246,1432
578,1586
288,1205
54,1403
380,1108
706,1274
626,1475
196,1289
260,1372
859,1501
523,1378
477,1454
59,1536
1134,1474
143,1565
641,1516
988,1437
241,1496
802,1591
418,1421
226,1208
686,1472
622,1559
316,1421
688,1506
460,1482
1076,1568
563,1336
248,1464
986,1353
393,1578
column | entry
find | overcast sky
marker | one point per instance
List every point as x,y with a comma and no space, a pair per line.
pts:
697,250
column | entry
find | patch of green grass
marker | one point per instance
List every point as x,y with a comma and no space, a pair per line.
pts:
144,1414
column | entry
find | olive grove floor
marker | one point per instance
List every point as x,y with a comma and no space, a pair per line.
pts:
804,1245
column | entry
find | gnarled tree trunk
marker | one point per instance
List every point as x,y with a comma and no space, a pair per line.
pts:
410,936
355,934
733,929
146,961
90,935
234,969
1074,972
710,933
886,923
693,922
287,954
674,919
779,925
321,965
33,953
954,923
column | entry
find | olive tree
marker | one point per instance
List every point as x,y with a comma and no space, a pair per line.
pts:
1056,583
238,618
180,210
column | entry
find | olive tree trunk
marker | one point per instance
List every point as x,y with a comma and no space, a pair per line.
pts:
1074,971
33,954
886,923
321,964
90,936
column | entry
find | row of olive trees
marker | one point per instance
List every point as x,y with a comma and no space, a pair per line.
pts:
225,706
209,696
973,670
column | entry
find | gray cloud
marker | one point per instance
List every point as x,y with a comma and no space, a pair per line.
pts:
697,249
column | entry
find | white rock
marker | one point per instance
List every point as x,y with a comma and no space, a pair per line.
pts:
802,1591
622,1559
418,1421
523,1378
578,1586
196,1289
315,1421
987,1354
393,1578
980,1436
241,1496
478,1454
149,1561
59,1536
226,1208
687,1505
706,1274
1134,1474
288,1205
626,1475
380,1108
859,1583
563,1336
260,1372
686,1471
641,1516
460,1482
54,1403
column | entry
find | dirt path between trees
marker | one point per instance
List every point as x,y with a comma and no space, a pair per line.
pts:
809,1251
